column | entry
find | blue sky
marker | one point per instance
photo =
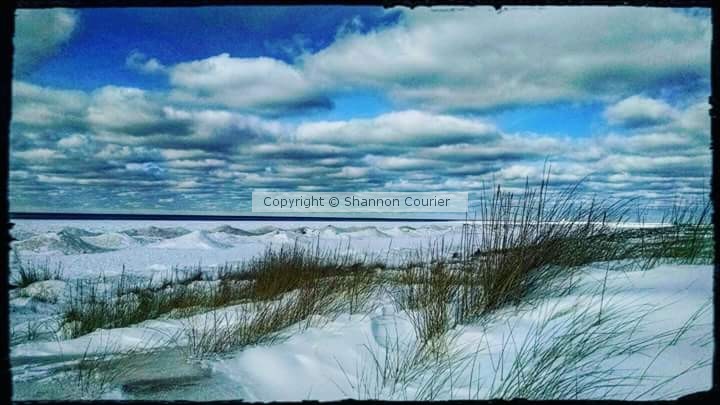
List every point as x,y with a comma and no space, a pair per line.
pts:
103,39
191,109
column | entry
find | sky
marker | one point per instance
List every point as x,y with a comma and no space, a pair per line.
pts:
188,110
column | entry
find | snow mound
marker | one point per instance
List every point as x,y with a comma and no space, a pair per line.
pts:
111,240
334,232
45,291
20,235
364,232
279,236
193,240
154,233
264,230
329,231
79,232
232,230
405,230
65,242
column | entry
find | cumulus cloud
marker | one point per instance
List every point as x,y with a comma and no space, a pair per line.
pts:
470,59
219,129
39,34
72,141
140,62
297,151
476,59
261,84
636,111
38,154
131,111
405,128
132,116
43,107
352,172
402,163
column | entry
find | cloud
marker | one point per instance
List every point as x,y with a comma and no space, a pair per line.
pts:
216,150
297,151
508,148
42,107
39,34
638,111
402,163
352,172
219,129
196,164
262,85
476,59
406,128
133,112
38,154
139,62
72,141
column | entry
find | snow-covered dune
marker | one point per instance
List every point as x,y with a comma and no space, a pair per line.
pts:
334,359
85,248
192,240
112,240
66,242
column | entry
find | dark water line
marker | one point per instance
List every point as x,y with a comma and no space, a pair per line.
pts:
178,217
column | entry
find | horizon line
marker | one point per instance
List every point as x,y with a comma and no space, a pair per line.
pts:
200,217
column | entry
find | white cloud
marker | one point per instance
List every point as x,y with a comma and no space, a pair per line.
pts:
636,111
139,62
398,128
39,34
352,172
518,171
47,107
257,84
509,147
173,154
475,58
297,151
401,163
72,141
225,127
38,154
196,164
130,111
695,119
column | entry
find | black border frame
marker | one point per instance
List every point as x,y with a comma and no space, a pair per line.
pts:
7,29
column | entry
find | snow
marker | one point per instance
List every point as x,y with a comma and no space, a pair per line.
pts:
141,247
322,362
46,290
332,359
192,240
111,240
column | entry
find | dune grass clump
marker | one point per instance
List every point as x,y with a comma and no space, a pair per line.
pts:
685,235
521,246
566,352
523,241
310,274
399,369
283,287
98,372
94,304
582,354
258,322
32,272
425,294
278,271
